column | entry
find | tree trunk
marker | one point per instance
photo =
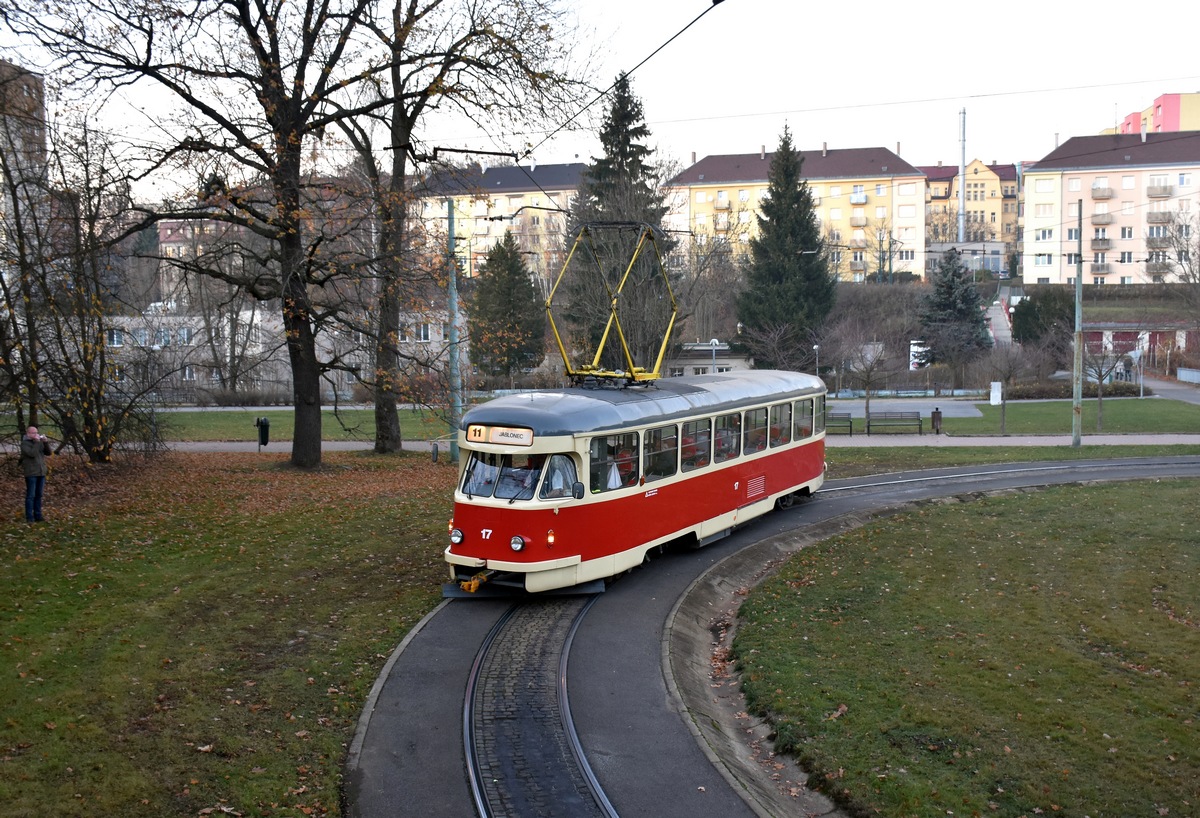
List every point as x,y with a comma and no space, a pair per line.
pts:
387,365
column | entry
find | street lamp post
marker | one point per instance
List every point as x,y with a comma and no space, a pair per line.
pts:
714,343
817,352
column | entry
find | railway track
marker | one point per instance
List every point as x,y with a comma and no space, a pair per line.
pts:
524,759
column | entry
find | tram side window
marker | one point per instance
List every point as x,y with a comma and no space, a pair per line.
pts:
756,430
727,437
694,447
781,424
804,419
819,416
662,452
613,462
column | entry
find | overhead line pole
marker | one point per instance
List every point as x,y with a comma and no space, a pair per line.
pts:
1077,371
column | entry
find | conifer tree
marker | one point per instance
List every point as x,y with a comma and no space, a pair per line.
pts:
507,323
956,331
789,286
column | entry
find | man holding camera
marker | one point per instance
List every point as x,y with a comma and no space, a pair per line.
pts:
35,448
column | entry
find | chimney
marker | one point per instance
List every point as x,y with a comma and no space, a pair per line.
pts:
824,149
693,157
1143,130
897,148
762,153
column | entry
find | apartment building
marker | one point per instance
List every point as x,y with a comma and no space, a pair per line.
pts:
530,200
991,211
1111,204
870,204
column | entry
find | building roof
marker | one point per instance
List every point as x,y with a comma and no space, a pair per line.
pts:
946,173
845,163
508,179
1122,150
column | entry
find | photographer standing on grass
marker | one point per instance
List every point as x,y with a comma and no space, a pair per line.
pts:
35,448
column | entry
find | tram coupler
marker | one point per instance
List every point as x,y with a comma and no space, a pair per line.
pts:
472,585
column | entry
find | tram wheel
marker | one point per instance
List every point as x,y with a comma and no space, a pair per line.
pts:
785,501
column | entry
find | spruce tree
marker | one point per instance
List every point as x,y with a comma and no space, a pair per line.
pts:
507,323
952,316
619,195
789,286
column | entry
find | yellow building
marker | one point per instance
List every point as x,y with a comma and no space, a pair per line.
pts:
531,201
991,206
870,204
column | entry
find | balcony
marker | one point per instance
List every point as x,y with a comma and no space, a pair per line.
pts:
1101,268
722,204
1103,218
858,221
721,226
1159,217
858,198
858,266
1102,193
1160,191
1158,243
1158,267
858,244
1101,244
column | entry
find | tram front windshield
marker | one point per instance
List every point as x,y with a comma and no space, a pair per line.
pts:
504,476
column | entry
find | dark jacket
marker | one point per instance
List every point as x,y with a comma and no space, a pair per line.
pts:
33,457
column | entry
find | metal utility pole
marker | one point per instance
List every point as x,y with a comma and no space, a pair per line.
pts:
455,374
1077,372
962,179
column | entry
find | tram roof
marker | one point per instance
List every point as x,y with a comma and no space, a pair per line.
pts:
582,409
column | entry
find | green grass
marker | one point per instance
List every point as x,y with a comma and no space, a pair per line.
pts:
847,461
1121,416
238,424
1022,655
199,632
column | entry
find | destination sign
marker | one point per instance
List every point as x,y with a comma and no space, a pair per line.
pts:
504,435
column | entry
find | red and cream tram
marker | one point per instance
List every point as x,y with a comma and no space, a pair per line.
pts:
562,487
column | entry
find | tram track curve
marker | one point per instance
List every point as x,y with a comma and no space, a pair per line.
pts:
661,737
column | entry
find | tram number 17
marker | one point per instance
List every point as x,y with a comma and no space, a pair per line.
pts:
485,533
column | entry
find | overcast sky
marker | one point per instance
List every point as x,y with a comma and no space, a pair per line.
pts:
863,73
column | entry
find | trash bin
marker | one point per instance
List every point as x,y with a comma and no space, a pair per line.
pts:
935,420
264,430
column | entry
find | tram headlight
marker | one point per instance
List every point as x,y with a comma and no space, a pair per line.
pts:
550,537
517,543
456,535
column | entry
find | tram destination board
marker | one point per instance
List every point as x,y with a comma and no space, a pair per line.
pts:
509,435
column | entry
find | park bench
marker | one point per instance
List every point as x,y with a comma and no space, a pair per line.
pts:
839,420
894,420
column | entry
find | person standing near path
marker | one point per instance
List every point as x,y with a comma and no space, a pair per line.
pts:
35,448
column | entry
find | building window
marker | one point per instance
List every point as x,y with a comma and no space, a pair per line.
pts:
141,336
1097,279
1045,234
1043,281
1100,258
1100,233
1043,211
1072,234
1128,182
115,337
1126,257
1185,180
743,195
162,337
699,370
675,372
881,190
185,336
189,373
1043,260
1072,259
1126,232
1126,279
1074,184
